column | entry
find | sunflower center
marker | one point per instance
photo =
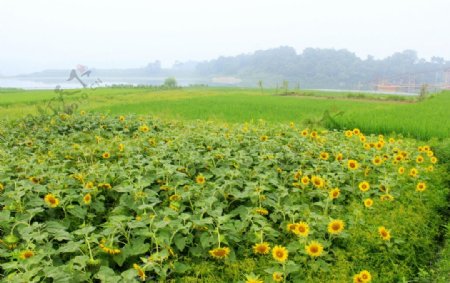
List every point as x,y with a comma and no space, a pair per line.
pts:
220,252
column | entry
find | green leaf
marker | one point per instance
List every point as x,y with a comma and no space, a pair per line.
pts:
4,216
70,247
180,267
129,276
107,275
180,242
84,231
77,211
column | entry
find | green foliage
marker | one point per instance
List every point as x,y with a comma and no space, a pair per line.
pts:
170,83
148,213
323,68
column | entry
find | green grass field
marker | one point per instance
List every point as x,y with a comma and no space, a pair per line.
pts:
423,120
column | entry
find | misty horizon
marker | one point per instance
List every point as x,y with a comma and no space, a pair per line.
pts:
174,64
51,34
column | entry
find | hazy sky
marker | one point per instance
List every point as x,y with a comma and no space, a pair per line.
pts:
45,34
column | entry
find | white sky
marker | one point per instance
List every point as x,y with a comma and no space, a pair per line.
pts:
47,34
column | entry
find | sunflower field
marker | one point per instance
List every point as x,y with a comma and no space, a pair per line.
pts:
96,198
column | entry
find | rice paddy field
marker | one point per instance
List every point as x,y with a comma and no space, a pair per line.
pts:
223,185
372,113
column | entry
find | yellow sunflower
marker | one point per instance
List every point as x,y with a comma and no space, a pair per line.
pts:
261,248
364,186
352,164
220,253
264,138
301,229
87,198
419,159
277,276
304,133
280,254
421,186
108,250
106,155
51,200
262,211
175,197
365,276
144,128
336,226
339,157
305,180
140,271
386,197
413,172
324,155
348,134
334,193
253,279
291,227
317,182
200,179
26,254
398,157
357,279
377,161
104,186
368,202
314,249
379,145
401,170
384,233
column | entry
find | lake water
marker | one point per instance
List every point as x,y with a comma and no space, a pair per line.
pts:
52,82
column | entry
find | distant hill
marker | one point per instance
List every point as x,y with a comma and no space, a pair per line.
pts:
324,68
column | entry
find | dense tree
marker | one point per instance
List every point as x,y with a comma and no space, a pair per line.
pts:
170,83
325,68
